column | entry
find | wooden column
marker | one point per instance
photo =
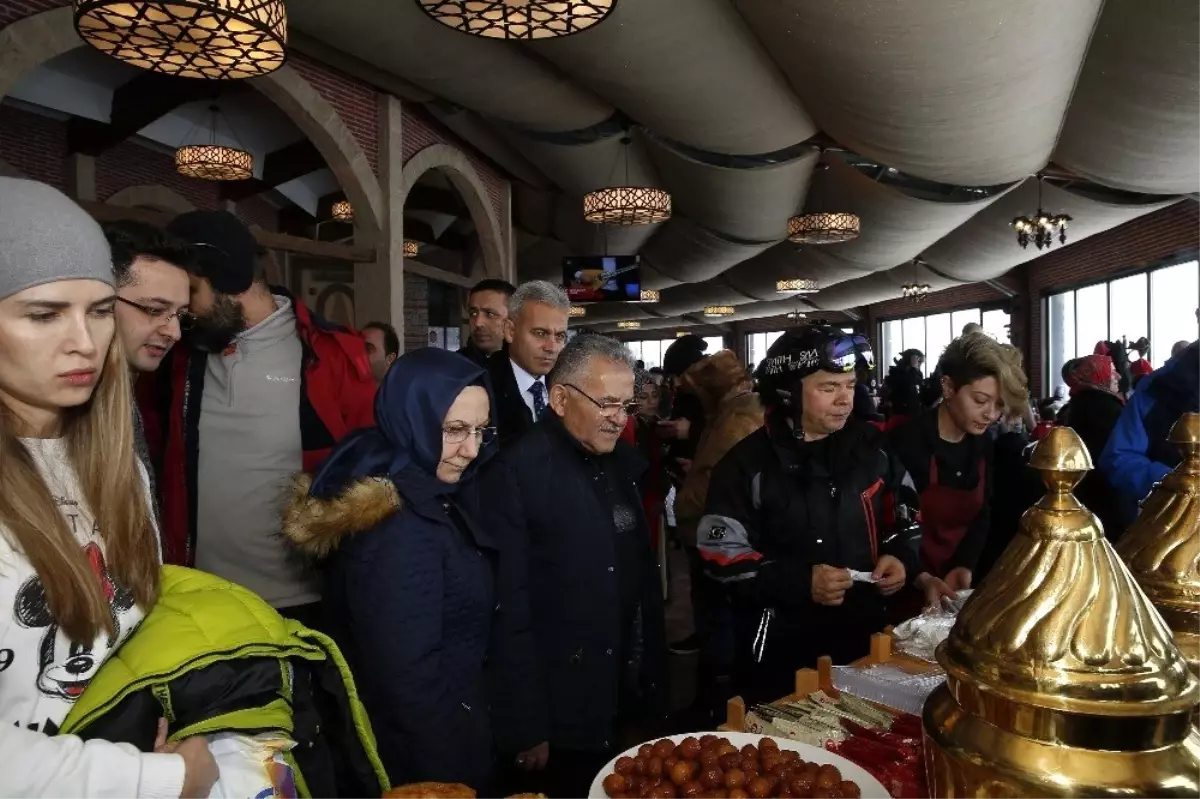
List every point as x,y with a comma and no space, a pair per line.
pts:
379,285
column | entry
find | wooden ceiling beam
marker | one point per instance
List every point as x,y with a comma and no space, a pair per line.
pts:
281,166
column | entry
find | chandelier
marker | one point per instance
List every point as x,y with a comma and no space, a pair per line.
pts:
627,205
342,211
518,19
1042,228
648,295
628,324
794,315
212,39
916,290
823,227
214,161
411,248
577,311
796,286
718,310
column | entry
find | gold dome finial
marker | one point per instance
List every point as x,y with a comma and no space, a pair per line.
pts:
1162,547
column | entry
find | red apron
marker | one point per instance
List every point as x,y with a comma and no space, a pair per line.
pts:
946,515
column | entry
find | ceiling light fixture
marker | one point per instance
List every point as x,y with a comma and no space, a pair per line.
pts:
680,333
718,310
518,19
577,311
411,248
214,161
627,205
796,286
212,39
823,227
1042,227
342,211
649,295
794,315
916,290
628,324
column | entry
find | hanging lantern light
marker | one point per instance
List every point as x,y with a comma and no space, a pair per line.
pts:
718,310
795,315
342,211
680,333
916,291
208,39
627,205
648,295
823,227
411,248
518,19
214,161
577,311
796,286
628,324
1042,228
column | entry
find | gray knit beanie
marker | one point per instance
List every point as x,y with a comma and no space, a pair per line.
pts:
46,237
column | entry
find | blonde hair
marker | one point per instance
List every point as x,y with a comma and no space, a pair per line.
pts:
976,356
99,443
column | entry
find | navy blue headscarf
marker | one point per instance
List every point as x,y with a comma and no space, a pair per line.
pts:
406,444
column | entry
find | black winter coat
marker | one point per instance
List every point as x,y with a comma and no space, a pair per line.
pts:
1093,414
559,676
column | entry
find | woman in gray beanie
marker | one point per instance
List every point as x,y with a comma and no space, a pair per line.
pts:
79,548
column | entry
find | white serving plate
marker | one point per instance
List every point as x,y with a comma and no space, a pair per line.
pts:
871,787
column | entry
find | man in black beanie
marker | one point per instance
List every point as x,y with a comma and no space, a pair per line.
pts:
263,391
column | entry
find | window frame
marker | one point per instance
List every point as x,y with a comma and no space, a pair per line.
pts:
1003,304
1148,268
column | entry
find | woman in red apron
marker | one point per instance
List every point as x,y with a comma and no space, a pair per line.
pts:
948,454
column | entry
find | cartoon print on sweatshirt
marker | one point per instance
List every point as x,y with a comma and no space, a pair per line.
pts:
65,667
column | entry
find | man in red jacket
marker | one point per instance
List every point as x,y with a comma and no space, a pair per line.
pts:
263,391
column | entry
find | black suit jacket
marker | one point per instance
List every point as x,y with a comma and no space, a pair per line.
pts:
511,416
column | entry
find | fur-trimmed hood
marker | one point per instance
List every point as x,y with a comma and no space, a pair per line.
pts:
716,378
316,526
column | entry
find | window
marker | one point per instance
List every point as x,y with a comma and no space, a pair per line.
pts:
933,333
1174,296
1159,303
757,345
651,352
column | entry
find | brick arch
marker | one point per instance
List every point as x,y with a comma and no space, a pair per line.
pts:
157,198
30,42
466,181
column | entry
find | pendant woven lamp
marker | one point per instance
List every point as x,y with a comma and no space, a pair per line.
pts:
518,19
210,39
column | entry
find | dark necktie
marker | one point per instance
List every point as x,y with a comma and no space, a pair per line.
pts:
538,390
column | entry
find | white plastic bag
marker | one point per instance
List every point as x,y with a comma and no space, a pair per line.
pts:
252,767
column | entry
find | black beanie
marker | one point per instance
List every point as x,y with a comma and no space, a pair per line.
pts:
223,249
685,351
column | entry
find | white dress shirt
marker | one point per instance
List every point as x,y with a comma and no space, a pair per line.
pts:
524,382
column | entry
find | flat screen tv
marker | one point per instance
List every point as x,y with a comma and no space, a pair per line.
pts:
602,278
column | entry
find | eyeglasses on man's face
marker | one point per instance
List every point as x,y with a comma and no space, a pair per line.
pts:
161,316
458,433
608,409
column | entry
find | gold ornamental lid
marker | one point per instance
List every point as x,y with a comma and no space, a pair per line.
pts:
1060,623
1162,548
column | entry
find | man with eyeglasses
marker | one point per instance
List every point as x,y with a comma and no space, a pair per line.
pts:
152,302
264,390
809,523
535,333
583,609
487,310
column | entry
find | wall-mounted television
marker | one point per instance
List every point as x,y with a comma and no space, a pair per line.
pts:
602,278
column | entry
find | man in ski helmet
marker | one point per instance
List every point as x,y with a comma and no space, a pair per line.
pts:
809,523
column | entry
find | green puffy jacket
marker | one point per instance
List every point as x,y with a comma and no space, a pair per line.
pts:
213,657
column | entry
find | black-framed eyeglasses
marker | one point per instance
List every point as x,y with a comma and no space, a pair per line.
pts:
609,409
457,434
161,315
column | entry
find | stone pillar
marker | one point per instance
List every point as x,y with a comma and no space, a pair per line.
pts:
81,177
507,234
379,286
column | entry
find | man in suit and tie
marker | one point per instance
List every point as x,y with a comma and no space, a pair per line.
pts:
535,333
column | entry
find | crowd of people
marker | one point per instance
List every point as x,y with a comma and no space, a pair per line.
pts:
224,514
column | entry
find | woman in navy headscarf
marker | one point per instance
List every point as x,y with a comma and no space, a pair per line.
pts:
409,578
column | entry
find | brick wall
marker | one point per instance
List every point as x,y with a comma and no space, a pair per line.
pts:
257,211
354,101
416,312
13,10
34,144
420,131
131,164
